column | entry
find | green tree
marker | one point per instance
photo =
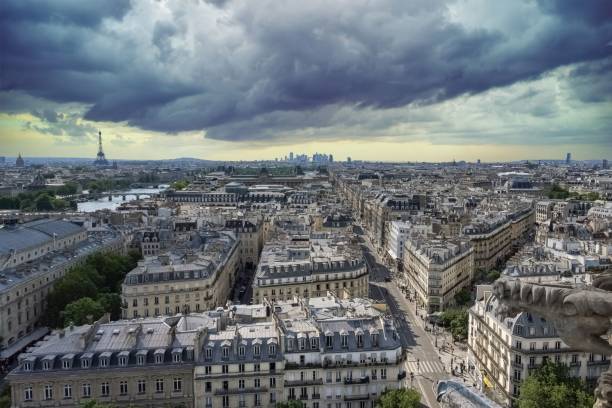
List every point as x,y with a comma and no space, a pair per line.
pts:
551,386
5,398
43,203
401,398
179,185
463,297
82,311
111,303
95,404
457,321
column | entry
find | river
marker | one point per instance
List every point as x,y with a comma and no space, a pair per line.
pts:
130,195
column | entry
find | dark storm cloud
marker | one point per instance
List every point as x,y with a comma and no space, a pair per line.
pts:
253,70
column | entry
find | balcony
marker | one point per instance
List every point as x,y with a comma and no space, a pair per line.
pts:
292,383
356,397
360,380
598,362
303,397
316,396
517,365
246,390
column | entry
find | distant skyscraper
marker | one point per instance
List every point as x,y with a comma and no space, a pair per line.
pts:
604,164
331,158
478,161
2,160
291,156
19,162
348,159
100,158
568,158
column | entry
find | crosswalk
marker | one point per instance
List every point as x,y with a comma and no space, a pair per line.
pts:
430,366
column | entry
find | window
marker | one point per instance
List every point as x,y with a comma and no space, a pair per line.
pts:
557,345
545,345
86,390
383,373
329,341
225,352
123,388
27,366
123,361
256,367
517,359
241,351
532,346
517,375
241,368
104,362
519,345
46,365
302,344
27,394
142,386
176,357
66,363
208,353
207,370
272,382
257,383
67,391
360,340
224,368
159,385
104,389
344,338
241,384
272,349
574,358
178,384
48,392
256,350
532,361
225,401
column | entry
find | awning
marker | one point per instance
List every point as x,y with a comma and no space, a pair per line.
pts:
486,381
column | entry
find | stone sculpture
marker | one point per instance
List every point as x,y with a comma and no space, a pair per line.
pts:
582,316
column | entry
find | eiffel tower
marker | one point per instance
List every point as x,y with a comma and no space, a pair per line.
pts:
100,158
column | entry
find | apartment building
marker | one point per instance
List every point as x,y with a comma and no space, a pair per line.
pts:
250,236
34,256
504,351
310,266
338,353
437,269
325,352
192,279
495,235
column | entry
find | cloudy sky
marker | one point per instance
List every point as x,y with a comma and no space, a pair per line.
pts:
372,79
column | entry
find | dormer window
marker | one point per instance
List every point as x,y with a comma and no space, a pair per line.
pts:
329,340
225,352
360,340
344,339
375,340
241,351
302,343
256,350
140,359
314,343
208,353
159,356
272,349
289,344
85,362
104,362
177,355
66,364
124,358
27,366
46,365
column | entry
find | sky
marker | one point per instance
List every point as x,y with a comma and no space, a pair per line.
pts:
384,80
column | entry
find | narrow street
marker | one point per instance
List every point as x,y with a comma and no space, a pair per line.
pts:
423,358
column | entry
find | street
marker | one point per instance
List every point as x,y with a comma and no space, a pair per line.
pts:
423,358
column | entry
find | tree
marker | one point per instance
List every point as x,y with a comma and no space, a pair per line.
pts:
111,303
82,311
179,185
95,404
463,297
43,203
551,386
401,398
457,320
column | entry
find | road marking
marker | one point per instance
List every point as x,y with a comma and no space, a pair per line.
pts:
431,366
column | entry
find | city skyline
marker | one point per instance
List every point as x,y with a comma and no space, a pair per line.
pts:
223,80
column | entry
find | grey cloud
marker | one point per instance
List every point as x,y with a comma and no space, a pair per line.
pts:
244,70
